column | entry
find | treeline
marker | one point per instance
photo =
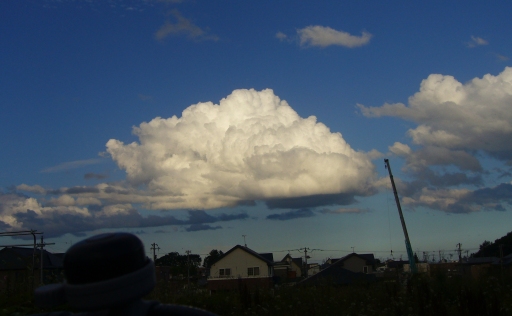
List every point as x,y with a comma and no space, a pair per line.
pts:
492,249
184,263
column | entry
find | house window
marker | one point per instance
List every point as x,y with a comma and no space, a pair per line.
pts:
365,269
253,271
224,272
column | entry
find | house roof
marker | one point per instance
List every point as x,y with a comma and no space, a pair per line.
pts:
15,258
336,274
297,261
482,260
369,257
267,257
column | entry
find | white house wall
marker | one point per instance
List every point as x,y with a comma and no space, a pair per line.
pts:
239,261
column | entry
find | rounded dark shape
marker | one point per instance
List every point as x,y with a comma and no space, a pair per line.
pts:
103,257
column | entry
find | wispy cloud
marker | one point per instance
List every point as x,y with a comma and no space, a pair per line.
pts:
199,227
344,211
323,36
144,97
476,41
501,57
184,27
281,36
72,165
305,212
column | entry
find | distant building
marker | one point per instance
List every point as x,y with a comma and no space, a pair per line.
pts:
288,269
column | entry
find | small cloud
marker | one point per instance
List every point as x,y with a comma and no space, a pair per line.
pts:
144,97
476,41
31,188
92,175
305,212
281,36
71,165
183,26
160,231
198,227
322,36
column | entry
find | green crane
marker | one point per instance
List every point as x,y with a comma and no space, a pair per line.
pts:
408,246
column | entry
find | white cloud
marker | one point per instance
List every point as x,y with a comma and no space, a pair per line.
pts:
472,116
31,188
252,146
476,41
185,27
400,149
281,36
12,206
323,36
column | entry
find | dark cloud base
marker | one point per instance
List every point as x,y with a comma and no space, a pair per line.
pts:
57,224
311,201
305,212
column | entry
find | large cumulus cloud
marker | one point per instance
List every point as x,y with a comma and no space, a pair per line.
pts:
460,125
250,146
474,116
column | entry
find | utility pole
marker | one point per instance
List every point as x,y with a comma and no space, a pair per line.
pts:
352,249
459,251
305,249
42,245
188,267
245,244
154,247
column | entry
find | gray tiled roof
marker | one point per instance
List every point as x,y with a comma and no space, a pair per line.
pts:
15,258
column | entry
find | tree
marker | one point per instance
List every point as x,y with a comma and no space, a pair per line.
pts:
180,263
213,256
485,244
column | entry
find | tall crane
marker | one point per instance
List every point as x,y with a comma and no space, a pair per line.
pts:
408,246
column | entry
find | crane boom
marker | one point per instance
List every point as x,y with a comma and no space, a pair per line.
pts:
408,246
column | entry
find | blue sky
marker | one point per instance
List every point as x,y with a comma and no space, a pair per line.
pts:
192,123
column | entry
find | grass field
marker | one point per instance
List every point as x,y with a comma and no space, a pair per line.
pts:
438,295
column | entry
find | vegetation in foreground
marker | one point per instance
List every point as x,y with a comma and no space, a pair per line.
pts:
420,296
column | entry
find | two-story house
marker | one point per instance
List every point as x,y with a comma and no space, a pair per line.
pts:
241,267
288,269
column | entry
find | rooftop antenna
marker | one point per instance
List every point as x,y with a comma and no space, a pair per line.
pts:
245,244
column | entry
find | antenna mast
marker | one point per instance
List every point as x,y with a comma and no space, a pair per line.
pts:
408,246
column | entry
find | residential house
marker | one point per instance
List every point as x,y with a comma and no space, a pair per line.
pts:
349,269
313,268
17,264
288,269
241,267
